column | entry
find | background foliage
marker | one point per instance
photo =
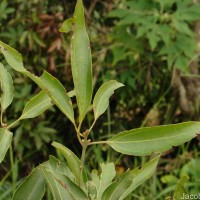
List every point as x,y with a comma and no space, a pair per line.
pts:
149,46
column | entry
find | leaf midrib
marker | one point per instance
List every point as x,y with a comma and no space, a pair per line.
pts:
148,140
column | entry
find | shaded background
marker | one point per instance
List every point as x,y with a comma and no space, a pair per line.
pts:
151,46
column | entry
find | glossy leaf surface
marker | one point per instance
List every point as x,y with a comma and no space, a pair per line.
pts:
101,99
37,105
144,141
57,190
59,167
61,185
5,142
81,61
57,92
72,161
6,87
33,187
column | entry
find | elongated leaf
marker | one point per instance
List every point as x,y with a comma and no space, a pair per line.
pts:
57,190
33,187
67,26
35,78
6,88
72,161
47,82
101,99
81,62
5,141
144,141
58,94
13,57
36,106
130,181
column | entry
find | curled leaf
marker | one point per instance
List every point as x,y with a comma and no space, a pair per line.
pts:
101,99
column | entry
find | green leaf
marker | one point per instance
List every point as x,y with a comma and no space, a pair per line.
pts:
130,181
71,93
75,191
165,33
81,62
153,37
36,106
33,187
107,174
67,26
72,161
5,141
144,141
182,27
6,88
57,92
57,190
116,189
118,13
60,167
62,187
13,57
141,175
180,190
101,99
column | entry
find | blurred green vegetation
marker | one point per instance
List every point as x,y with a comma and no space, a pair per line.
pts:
151,46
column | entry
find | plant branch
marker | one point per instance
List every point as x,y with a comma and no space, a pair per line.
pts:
85,143
91,127
78,135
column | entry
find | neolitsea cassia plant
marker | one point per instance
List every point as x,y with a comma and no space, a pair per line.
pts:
68,180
